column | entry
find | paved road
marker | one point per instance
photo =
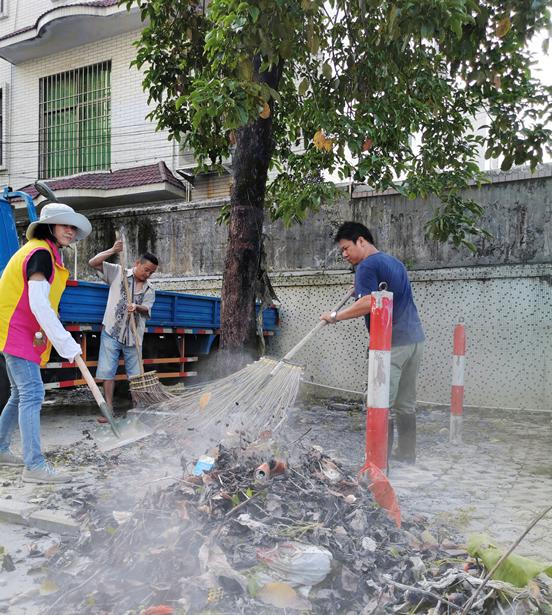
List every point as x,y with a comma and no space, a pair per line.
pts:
497,481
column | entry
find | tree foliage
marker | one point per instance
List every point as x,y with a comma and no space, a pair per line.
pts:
356,79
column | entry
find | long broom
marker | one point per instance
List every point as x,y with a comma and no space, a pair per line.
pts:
251,401
145,387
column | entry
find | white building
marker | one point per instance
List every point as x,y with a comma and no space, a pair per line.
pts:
73,112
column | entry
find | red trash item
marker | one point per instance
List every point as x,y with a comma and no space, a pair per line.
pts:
160,609
383,492
102,419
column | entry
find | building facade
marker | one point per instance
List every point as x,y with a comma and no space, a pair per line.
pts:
73,111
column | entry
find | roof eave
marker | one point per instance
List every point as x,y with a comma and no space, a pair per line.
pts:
87,198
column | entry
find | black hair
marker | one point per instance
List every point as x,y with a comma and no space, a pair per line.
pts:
148,256
353,231
43,231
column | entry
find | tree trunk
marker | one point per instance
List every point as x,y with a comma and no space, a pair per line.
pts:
254,147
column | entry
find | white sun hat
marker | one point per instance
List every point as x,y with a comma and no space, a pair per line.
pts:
59,213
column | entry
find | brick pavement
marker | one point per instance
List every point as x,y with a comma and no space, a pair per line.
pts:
496,482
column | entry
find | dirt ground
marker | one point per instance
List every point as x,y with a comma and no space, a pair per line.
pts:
497,481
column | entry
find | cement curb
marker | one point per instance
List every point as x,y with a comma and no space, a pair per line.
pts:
22,513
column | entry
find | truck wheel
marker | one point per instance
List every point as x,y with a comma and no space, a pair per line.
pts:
4,383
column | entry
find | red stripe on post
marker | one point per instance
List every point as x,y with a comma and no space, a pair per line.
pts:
377,420
381,320
456,400
459,347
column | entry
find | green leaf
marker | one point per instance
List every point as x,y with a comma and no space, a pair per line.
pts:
503,27
392,17
303,87
456,27
507,163
254,11
515,569
327,70
426,30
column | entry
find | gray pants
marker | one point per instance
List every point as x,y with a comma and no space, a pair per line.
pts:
405,364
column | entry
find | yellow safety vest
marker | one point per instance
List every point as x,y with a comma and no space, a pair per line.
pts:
18,324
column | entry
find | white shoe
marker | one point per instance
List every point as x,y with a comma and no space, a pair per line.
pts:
46,474
7,458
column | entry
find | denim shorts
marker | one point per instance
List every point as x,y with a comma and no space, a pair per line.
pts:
110,353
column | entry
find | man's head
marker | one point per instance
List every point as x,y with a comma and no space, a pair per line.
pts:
356,242
145,266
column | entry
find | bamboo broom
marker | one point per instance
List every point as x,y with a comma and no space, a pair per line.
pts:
145,387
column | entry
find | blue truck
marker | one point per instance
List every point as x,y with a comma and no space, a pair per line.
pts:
182,328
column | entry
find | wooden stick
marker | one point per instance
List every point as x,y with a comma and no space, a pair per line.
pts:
90,381
504,556
105,409
129,301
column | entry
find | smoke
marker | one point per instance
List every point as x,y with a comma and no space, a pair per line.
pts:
241,411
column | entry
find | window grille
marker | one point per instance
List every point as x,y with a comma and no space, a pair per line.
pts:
75,121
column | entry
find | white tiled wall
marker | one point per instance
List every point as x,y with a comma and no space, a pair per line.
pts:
21,14
134,140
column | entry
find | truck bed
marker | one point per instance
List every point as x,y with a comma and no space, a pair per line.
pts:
84,303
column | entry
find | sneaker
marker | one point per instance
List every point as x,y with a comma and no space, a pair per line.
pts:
47,474
7,458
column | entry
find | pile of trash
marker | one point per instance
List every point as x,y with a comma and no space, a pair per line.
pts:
241,532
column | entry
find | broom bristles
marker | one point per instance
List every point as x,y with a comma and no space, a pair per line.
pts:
146,390
244,404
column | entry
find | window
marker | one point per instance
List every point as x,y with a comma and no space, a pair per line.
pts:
75,121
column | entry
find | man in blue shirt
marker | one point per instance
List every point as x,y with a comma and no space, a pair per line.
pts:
371,268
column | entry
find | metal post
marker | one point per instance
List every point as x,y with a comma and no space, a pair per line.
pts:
457,388
379,372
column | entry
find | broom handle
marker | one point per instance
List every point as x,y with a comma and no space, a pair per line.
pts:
311,333
90,380
122,258
104,408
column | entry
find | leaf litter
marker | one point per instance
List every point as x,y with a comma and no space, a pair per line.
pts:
309,539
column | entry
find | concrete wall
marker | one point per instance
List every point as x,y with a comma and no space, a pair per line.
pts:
503,292
190,242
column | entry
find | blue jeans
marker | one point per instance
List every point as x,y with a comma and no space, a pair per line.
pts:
110,352
24,404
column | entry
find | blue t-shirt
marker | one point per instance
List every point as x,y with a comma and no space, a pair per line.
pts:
382,267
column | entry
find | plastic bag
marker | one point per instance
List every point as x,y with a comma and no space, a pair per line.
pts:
297,562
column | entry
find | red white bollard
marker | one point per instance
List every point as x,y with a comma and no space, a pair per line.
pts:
457,389
379,376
